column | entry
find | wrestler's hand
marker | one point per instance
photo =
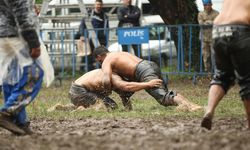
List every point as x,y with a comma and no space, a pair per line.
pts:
35,52
155,83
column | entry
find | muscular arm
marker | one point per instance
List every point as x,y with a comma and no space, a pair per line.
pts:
107,74
120,84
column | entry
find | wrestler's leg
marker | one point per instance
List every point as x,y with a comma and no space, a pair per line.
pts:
247,108
215,94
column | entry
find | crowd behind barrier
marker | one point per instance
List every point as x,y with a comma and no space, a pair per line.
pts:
176,48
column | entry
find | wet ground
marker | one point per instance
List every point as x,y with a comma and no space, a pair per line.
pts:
131,134
168,133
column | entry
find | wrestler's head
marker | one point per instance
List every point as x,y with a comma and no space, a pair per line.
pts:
100,53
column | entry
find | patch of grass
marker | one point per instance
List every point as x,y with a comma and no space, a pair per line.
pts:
144,105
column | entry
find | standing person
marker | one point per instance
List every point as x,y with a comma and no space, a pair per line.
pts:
129,16
20,76
133,68
85,90
100,23
206,18
231,38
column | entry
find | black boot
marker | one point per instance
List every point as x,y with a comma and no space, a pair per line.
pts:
26,128
7,123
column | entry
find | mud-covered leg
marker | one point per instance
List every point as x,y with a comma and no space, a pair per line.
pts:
247,108
127,103
185,104
19,95
215,94
110,103
125,97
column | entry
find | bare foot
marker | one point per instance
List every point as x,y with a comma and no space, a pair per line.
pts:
195,107
189,107
182,107
207,121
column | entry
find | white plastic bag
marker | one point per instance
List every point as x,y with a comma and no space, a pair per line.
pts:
44,62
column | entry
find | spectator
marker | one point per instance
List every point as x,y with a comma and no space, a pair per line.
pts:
21,75
100,23
231,40
129,16
205,18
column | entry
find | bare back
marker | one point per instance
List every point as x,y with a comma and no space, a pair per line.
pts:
122,63
92,80
234,12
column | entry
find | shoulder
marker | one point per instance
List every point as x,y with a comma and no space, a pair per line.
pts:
109,59
111,56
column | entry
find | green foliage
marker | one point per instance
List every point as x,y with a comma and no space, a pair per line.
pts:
39,1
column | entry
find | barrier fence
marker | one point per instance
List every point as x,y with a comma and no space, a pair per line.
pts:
177,49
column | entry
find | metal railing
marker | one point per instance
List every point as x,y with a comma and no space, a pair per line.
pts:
176,48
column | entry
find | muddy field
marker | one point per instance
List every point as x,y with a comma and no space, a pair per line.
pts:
170,133
126,134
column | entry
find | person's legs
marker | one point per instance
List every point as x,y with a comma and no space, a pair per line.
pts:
109,103
184,104
80,96
7,121
125,97
247,108
215,94
147,71
18,96
137,50
206,53
125,48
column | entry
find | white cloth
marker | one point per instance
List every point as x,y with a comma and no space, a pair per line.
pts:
14,52
44,62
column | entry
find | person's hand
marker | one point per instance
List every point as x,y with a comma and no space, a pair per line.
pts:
155,83
35,52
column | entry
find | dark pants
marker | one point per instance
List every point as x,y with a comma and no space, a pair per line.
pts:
232,57
80,96
146,71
